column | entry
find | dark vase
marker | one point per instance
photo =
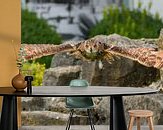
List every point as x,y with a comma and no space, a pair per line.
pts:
18,82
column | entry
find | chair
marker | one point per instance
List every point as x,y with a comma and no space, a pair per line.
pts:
139,114
80,103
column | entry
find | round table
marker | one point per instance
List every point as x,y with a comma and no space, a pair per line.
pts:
117,118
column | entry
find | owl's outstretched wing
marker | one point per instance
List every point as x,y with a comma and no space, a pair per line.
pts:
34,51
145,56
138,50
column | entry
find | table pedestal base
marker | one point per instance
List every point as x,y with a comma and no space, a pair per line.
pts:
9,113
117,117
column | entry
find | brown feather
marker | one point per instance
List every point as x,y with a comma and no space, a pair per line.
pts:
34,51
146,56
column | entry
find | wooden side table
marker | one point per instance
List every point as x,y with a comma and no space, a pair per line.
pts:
139,114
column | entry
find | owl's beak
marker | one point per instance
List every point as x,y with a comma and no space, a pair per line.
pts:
91,50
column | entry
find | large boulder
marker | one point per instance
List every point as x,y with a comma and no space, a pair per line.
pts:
64,59
121,72
61,75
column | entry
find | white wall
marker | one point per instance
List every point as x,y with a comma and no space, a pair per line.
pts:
157,5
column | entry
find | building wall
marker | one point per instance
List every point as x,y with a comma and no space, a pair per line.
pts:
10,29
156,6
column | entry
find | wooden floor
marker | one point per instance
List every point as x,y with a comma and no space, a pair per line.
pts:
81,127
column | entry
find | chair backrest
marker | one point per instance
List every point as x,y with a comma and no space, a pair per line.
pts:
79,83
79,102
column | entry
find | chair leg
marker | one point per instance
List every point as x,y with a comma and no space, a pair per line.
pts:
138,123
131,122
150,123
90,117
70,119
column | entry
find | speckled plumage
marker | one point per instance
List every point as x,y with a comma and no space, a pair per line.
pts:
98,48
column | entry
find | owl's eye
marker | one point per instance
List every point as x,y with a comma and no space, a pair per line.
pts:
95,46
86,45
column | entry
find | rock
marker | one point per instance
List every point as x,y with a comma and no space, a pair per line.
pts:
122,72
43,118
61,75
44,103
50,118
160,45
33,104
102,111
53,110
112,72
49,111
157,85
160,40
64,59
150,102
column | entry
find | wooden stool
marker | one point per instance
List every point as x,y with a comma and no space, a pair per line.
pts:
138,114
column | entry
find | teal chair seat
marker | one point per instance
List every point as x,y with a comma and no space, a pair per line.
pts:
79,102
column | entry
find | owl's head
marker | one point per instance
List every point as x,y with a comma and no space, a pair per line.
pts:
92,49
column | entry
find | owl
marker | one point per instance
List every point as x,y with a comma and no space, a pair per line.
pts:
98,48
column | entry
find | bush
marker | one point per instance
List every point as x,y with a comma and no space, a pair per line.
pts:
37,31
36,70
136,23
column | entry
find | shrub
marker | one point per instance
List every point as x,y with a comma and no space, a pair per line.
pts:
36,70
135,23
37,31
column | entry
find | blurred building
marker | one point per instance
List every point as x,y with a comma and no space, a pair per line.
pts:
73,18
156,6
66,15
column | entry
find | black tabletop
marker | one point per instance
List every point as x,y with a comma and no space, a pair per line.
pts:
66,91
